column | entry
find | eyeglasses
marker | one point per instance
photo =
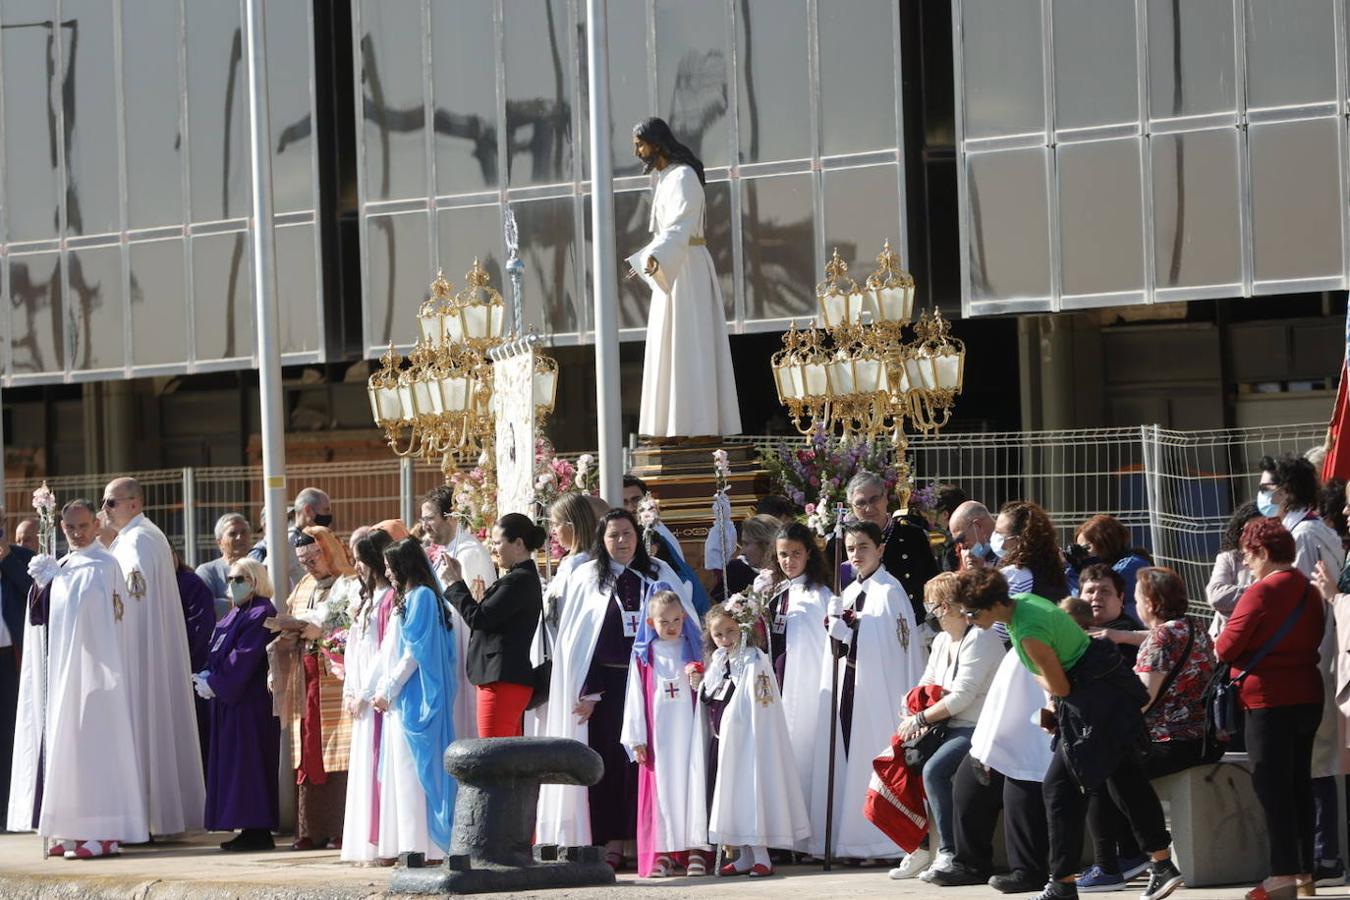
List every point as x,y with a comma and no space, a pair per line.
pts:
236,579
864,503
971,614
109,502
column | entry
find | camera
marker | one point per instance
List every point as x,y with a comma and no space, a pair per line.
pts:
1079,557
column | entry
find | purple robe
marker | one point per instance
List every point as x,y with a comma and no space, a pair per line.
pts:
199,613
241,772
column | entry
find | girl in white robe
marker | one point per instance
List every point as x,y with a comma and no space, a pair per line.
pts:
872,625
756,800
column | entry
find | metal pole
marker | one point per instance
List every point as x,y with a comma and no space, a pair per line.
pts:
407,500
269,352
604,271
4,506
190,517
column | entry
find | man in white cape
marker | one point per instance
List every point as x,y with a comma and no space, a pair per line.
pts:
688,386
564,810
90,798
873,625
162,712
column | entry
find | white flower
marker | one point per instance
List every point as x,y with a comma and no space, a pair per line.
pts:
649,511
763,581
44,501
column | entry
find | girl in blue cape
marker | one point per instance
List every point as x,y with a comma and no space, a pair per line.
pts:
419,687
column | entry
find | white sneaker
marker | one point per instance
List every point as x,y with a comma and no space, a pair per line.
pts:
943,860
912,865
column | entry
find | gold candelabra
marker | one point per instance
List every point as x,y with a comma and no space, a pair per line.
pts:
855,372
440,405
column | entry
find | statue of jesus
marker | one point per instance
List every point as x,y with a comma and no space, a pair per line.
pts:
688,387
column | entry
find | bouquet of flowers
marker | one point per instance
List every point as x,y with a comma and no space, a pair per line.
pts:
750,610
648,515
44,502
815,476
587,476
475,498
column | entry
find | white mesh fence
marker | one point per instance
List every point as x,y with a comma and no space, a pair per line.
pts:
1173,489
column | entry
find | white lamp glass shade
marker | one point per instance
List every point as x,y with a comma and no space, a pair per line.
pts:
496,313
432,328
832,309
897,303
796,385
545,383
373,393
841,377
948,370
857,302
475,322
869,376
781,380
454,393
421,394
406,410
454,327
817,383
927,373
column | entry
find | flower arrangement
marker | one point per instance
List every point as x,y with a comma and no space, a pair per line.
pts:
44,502
748,609
815,476
587,477
648,515
475,501
555,476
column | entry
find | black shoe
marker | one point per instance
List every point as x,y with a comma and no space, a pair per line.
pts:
1163,879
1016,882
958,874
1329,873
250,840
1058,890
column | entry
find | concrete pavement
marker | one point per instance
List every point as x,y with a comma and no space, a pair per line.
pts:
197,870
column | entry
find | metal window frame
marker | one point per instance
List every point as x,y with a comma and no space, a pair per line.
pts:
1142,131
578,188
185,232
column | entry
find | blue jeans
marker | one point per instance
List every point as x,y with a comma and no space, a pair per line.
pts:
937,782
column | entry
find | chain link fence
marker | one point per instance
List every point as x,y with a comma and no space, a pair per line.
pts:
1173,489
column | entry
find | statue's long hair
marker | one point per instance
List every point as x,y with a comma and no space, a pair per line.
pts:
657,133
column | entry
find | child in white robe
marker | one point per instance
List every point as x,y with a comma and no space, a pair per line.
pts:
756,796
663,732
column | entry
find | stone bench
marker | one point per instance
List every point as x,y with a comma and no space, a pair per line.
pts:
1218,828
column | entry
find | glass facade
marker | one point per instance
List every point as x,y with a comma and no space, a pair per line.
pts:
791,104
124,199
1118,152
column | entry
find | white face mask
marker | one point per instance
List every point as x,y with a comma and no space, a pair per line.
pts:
1265,503
240,591
996,544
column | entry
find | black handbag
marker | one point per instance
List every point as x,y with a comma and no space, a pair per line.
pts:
1223,704
543,673
921,747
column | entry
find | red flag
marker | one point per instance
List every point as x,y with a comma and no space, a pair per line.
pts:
1337,462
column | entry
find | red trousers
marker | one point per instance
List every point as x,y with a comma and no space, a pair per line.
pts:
501,708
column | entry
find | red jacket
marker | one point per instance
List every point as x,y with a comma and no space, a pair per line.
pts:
1288,674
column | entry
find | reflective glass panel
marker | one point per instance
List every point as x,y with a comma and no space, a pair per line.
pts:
32,90
1009,230
464,91
96,307
539,93
1190,58
158,303
1096,68
391,82
691,75
397,277
217,112
779,246
1296,210
289,72
717,197
1004,76
857,76
221,304
862,210
1101,231
90,109
631,212
469,233
151,83
548,247
1291,52
628,104
1197,233
35,313
299,310
772,80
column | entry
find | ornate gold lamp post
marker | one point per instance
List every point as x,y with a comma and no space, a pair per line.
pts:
856,373
440,405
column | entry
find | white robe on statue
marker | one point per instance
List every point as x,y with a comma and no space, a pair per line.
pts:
361,657
92,780
162,711
475,562
806,703
890,660
688,386
757,799
564,815
675,745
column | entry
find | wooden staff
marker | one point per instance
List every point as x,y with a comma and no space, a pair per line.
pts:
834,693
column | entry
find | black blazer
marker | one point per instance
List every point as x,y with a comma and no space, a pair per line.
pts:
502,626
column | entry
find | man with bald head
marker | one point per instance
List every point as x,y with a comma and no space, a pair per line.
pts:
160,676
972,526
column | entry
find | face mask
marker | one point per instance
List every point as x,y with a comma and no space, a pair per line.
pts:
239,592
323,520
932,620
996,544
1265,503
980,550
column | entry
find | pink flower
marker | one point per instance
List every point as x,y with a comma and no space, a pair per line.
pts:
810,509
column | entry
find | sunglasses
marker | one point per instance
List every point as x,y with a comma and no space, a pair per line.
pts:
109,502
236,579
